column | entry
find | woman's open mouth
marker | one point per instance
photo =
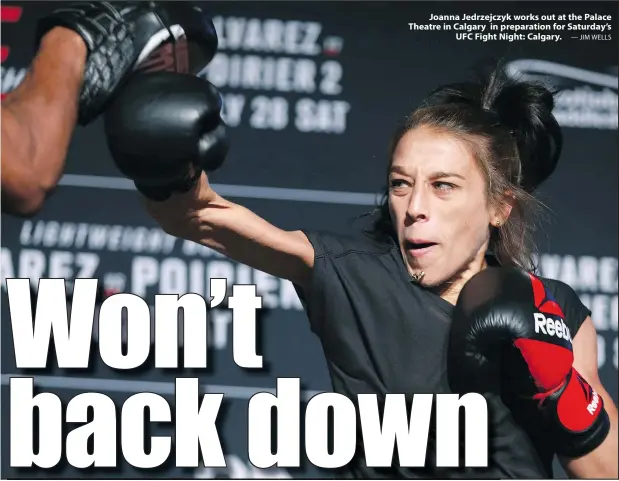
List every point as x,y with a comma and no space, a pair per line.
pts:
419,248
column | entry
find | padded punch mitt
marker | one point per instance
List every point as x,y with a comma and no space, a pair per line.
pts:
122,36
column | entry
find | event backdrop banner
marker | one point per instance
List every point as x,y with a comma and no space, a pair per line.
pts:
312,92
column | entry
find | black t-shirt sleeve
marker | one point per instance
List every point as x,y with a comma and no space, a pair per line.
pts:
573,308
331,273
312,297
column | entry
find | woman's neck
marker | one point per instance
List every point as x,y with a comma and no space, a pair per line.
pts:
450,290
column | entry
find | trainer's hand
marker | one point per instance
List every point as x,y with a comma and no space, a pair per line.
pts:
508,331
123,36
163,129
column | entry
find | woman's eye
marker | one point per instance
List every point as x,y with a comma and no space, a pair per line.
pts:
443,186
396,183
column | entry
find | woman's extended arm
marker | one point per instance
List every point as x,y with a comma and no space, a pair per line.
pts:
203,216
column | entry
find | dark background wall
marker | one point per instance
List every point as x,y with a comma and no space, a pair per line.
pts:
311,154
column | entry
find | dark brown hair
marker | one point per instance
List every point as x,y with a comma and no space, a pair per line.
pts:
509,127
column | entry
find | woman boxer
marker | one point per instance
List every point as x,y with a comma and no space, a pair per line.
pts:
460,176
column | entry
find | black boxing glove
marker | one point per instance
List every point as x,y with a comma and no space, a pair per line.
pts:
508,332
124,36
163,129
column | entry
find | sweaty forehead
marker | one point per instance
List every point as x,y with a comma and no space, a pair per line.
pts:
421,149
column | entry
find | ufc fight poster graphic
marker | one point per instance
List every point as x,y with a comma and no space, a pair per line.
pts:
144,343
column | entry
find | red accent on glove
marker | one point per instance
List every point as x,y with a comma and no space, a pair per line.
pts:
549,364
551,307
539,298
579,405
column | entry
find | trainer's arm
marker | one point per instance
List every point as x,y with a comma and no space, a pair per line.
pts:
203,216
38,119
602,461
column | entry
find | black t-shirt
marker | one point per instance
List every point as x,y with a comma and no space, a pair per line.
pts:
381,333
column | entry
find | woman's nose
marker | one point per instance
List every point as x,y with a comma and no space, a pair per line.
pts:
418,205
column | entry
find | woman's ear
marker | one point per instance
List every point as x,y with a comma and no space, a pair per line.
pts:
503,209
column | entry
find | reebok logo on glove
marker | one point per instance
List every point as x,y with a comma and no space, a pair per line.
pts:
593,405
591,396
551,327
508,305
